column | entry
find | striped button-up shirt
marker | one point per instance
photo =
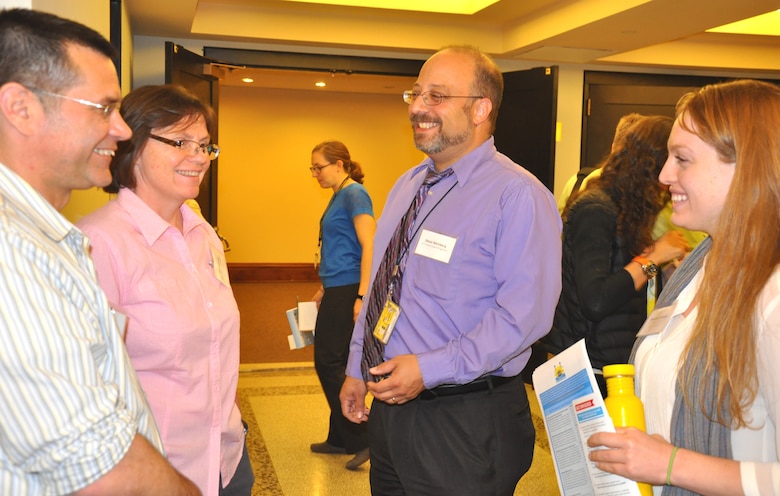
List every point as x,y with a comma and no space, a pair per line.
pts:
70,402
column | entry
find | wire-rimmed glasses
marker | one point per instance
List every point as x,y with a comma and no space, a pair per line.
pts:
106,109
430,98
190,147
315,169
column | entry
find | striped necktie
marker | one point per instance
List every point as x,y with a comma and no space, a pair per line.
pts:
389,274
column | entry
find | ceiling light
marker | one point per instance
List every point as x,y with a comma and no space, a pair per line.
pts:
766,24
248,80
466,7
320,84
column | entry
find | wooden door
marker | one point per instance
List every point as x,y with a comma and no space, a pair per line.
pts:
608,96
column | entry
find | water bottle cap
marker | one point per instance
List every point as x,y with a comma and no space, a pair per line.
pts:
618,370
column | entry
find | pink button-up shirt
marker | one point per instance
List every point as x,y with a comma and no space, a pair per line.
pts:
182,333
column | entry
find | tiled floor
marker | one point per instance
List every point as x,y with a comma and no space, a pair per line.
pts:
286,412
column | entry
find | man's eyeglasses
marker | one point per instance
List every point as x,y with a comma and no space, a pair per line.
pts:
190,147
317,168
105,109
430,98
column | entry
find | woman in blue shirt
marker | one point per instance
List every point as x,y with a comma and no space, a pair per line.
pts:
345,244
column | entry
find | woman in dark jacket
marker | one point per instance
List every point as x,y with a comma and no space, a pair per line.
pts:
609,255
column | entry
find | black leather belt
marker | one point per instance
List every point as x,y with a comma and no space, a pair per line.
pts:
480,384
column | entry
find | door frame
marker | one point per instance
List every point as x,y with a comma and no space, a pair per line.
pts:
187,69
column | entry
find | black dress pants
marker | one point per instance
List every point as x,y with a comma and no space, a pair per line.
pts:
477,443
331,348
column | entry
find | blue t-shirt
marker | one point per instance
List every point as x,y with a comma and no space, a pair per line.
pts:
341,251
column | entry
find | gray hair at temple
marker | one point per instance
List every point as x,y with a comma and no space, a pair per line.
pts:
488,79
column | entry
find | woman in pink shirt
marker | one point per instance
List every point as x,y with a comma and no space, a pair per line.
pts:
164,267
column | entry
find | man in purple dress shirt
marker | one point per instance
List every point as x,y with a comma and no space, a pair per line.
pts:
481,278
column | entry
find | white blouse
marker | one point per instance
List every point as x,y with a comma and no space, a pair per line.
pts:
657,364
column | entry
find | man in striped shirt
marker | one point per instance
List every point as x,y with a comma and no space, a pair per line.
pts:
73,417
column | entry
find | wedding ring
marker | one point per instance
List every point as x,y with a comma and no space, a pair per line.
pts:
392,400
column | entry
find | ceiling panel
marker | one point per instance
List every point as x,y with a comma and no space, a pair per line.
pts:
601,32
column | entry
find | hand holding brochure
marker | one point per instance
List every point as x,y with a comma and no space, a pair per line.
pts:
573,410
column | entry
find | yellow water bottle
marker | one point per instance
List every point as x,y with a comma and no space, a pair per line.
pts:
623,406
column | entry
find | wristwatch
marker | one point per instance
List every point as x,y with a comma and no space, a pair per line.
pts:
648,266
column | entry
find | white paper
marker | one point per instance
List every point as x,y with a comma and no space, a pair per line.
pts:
307,315
121,322
573,410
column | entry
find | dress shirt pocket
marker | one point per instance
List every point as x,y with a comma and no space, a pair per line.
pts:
433,277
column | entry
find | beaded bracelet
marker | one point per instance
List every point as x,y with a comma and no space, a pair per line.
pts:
669,468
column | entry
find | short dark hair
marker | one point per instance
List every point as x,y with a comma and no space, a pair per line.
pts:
34,49
151,107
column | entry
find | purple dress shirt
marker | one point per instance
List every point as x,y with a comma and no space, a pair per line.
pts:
479,313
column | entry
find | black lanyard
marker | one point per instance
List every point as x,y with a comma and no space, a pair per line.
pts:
419,226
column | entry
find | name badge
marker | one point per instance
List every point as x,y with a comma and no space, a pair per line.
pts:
436,246
386,323
657,321
219,264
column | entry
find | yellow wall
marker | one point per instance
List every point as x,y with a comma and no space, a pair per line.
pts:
95,14
269,205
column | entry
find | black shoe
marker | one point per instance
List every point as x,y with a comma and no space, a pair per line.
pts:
327,449
360,458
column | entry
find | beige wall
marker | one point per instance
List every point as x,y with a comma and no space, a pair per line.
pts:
269,205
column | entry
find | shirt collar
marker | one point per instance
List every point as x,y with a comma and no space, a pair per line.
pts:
465,167
33,205
149,223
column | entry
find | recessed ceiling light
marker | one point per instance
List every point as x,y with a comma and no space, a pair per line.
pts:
248,80
320,84
467,7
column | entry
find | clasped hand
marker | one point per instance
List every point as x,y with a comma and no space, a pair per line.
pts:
402,383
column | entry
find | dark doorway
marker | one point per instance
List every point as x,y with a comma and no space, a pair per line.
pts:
525,131
610,95
187,69
115,28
